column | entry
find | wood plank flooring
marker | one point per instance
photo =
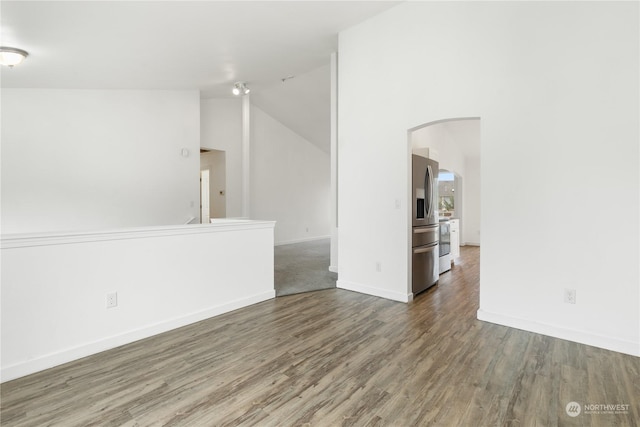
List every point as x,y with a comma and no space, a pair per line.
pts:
337,358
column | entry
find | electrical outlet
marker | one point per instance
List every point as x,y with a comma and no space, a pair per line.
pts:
570,296
378,266
112,300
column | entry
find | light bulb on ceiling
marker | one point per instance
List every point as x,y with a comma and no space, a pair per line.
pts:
240,88
11,56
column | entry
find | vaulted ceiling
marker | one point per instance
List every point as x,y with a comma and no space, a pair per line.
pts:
196,45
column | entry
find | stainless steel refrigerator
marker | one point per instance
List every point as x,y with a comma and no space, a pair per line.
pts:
425,228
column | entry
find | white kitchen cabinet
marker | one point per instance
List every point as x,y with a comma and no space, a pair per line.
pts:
455,238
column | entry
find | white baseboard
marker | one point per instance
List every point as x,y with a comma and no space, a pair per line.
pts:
333,268
582,337
376,292
470,244
306,239
58,358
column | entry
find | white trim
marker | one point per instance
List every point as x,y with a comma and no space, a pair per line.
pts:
376,292
306,239
333,268
54,359
470,244
583,337
10,241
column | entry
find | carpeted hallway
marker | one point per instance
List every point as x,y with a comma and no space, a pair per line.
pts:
303,267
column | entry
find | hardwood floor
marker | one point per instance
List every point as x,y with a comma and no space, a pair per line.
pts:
332,358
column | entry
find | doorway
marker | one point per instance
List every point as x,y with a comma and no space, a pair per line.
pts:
449,194
455,144
213,192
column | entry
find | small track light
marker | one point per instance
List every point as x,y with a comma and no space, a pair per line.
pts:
240,88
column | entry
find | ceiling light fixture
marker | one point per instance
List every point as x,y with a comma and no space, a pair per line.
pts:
11,56
240,88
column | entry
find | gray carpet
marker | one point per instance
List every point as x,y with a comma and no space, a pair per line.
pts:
303,267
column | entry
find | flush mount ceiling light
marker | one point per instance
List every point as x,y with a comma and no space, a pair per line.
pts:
11,56
240,88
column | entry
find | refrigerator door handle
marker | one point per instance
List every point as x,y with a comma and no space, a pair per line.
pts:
430,229
430,189
424,249
434,197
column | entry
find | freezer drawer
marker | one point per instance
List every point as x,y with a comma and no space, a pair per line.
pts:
425,267
426,235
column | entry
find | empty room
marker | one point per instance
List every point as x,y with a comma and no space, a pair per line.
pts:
320,213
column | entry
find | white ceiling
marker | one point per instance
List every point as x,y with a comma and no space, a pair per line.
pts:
198,45
302,104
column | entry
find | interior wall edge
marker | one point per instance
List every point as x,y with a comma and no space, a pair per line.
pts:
374,291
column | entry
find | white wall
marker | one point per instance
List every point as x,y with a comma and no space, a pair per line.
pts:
91,159
221,129
290,176
54,287
290,180
556,87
